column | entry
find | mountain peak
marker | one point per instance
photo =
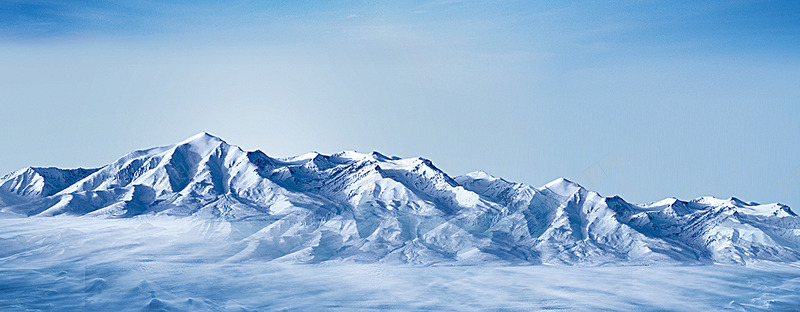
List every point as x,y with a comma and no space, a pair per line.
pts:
664,202
562,181
202,137
350,155
481,175
42,181
201,143
563,187
382,157
304,157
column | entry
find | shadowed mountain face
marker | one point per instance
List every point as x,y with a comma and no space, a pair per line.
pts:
371,207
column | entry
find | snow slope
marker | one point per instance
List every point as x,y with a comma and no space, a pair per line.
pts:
372,207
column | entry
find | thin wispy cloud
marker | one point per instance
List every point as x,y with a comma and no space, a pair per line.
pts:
555,84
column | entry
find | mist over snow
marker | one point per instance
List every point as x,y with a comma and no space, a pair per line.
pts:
181,264
205,225
674,123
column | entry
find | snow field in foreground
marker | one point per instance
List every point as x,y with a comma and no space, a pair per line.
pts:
171,264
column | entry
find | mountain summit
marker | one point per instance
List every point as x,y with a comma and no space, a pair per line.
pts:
372,207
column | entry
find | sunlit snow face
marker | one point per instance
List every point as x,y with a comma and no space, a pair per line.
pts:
371,207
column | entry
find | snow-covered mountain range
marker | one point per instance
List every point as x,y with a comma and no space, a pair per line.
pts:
372,207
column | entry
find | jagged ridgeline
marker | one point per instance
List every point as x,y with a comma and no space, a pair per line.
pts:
371,207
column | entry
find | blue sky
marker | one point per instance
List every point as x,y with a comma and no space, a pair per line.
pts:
645,99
